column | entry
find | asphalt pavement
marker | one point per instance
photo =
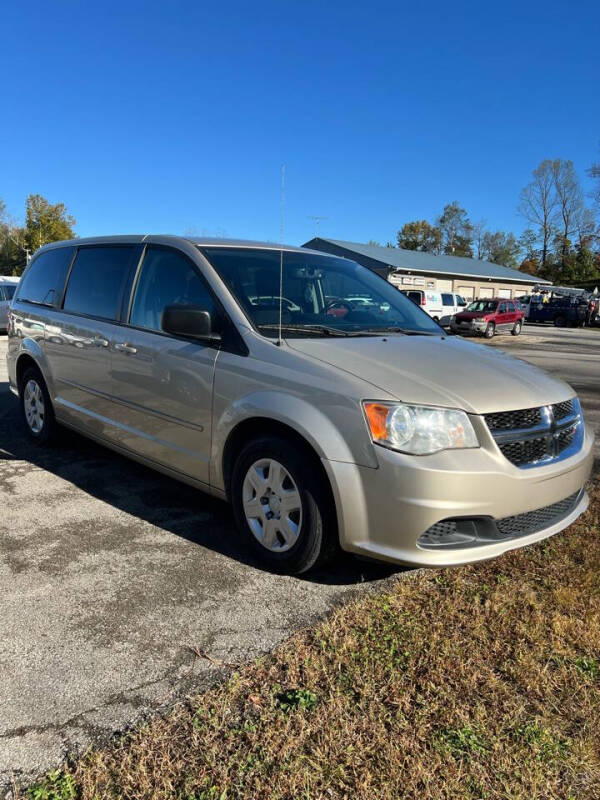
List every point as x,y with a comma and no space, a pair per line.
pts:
122,590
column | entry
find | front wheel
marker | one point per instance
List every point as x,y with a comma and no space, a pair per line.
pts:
490,330
36,406
281,508
516,329
560,321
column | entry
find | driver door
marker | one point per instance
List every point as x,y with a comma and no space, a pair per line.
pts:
162,382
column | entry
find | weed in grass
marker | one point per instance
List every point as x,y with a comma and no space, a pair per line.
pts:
546,745
294,699
57,785
587,666
460,742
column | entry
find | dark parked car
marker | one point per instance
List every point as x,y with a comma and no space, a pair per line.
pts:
489,316
562,310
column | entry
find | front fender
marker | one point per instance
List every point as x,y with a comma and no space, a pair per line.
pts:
324,433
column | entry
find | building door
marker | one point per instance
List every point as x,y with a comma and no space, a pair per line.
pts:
444,286
466,292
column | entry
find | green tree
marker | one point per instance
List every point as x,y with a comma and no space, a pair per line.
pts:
457,231
420,235
500,248
46,222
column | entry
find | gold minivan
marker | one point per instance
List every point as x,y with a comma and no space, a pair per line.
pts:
328,408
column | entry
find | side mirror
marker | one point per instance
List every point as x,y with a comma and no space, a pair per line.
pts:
193,322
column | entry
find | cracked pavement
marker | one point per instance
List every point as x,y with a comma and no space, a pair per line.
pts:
111,575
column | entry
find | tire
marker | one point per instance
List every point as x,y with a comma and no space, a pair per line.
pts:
269,472
517,328
560,321
490,330
36,407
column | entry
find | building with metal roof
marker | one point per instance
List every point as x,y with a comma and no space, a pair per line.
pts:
468,277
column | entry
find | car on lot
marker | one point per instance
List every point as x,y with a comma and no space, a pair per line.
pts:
7,290
451,305
373,431
430,302
486,317
561,310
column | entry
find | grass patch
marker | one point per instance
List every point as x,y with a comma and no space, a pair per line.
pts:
477,682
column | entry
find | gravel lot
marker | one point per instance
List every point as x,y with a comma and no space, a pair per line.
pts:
117,582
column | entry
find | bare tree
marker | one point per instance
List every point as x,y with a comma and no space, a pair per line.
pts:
478,230
570,203
538,203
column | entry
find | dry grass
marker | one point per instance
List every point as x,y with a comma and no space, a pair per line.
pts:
478,682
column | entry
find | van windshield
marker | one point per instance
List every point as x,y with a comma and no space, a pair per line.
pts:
320,294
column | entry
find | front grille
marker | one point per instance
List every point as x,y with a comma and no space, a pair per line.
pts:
530,436
534,521
525,452
562,410
453,534
509,420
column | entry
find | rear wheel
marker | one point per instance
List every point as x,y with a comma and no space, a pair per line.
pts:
517,328
560,321
36,406
490,330
281,507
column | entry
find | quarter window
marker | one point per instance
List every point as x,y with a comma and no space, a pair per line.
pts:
44,279
97,280
167,278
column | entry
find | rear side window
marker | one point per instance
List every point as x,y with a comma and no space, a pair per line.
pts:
502,308
97,281
44,280
447,300
511,307
167,278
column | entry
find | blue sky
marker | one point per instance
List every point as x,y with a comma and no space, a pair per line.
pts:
177,116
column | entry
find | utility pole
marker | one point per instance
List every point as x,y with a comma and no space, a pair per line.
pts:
317,219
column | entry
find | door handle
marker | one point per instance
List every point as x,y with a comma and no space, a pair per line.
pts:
123,347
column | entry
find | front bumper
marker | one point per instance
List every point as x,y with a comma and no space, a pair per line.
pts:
472,326
382,513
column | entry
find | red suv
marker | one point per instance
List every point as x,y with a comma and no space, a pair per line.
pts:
487,317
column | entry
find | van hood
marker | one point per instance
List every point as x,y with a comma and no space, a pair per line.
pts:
444,371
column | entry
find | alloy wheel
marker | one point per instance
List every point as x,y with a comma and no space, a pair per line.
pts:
33,403
272,505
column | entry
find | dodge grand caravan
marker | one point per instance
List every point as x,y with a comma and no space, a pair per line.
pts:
244,370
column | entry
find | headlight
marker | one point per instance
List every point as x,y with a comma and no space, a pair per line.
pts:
419,429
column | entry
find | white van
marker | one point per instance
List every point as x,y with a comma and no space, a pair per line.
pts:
7,290
451,305
431,302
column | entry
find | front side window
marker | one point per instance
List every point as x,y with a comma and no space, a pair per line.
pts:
9,290
447,300
167,278
321,294
97,280
43,281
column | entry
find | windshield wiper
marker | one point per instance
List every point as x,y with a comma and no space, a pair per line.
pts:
405,331
324,330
